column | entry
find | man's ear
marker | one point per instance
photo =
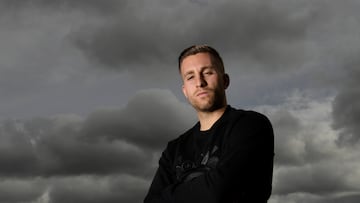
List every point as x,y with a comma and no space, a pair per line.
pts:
226,80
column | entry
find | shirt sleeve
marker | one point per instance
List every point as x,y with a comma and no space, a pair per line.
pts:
243,174
161,187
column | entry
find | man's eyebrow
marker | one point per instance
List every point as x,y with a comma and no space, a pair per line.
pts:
207,67
201,69
189,72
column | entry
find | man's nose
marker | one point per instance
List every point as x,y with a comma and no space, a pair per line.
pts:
200,81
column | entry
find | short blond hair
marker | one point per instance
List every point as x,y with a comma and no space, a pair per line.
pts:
195,49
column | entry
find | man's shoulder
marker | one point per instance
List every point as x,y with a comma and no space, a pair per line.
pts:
246,115
184,136
250,122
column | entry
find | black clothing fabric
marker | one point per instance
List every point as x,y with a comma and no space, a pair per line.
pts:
232,162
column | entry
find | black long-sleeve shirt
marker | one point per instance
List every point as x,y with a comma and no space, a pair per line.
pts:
230,162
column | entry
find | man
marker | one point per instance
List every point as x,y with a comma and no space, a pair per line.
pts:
227,156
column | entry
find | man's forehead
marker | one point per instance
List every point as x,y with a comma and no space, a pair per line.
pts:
197,61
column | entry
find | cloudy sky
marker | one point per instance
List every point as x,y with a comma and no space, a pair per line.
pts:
90,92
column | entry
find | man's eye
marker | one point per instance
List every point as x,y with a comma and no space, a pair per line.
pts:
208,73
190,77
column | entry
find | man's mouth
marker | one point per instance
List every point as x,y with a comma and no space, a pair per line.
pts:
202,93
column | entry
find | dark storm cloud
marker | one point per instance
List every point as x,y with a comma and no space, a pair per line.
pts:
107,142
289,146
307,161
310,43
347,198
96,189
15,190
91,5
316,178
346,109
77,189
149,120
295,145
142,34
309,198
107,157
60,151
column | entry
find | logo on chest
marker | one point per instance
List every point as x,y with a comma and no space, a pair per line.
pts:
187,170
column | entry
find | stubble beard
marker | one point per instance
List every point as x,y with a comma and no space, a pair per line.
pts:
214,101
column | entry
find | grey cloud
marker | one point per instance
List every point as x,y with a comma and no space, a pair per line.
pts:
141,35
346,198
118,141
77,189
307,160
289,148
37,61
321,178
108,156
346,109
310,44
295,145
17,190
17,155
150,119
69,155
98,189
59,151
101,7
309,198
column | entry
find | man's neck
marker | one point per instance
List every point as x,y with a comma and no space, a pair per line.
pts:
207,119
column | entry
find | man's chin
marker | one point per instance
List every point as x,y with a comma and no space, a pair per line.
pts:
205,108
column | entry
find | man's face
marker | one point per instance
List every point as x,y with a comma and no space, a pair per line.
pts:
204,84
